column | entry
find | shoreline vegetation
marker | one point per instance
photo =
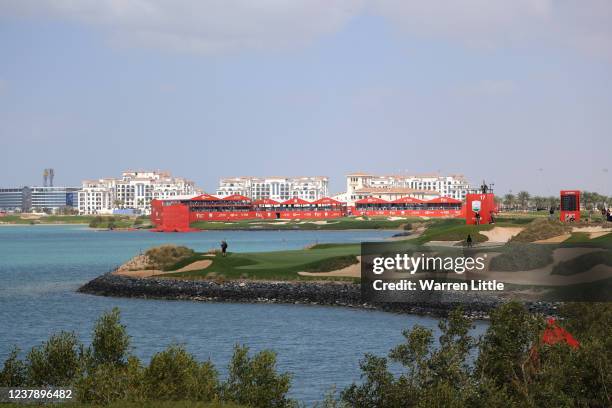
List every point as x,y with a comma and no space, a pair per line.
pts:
516,362
117,222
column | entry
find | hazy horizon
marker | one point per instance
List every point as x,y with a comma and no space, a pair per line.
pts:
514,93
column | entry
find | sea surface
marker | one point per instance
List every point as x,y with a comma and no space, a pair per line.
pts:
42,266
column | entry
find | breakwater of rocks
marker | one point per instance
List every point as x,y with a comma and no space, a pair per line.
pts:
294,292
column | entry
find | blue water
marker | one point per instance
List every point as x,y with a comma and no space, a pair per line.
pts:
42,266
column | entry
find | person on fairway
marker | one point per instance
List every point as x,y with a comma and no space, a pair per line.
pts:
469,241
223,248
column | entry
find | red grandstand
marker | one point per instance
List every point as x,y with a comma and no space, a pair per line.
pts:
177,213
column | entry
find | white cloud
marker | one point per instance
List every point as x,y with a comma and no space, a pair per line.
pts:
207,26
211,26
497,23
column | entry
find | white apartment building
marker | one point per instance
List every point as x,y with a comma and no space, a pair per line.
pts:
362,185
276,188
133,191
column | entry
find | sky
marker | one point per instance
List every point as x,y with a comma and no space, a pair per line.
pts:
518,93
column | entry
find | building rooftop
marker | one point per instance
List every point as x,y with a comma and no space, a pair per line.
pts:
404,176
394,190
273,177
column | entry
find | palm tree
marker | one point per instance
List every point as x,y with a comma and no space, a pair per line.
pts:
523,199
509,201
540,202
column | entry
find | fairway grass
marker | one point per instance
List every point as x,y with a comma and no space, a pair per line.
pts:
345,223
280,265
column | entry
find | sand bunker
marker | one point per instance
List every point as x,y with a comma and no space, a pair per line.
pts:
351,271
145,273
501,234
553,240
442,243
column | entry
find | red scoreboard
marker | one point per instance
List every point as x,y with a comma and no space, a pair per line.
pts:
570,205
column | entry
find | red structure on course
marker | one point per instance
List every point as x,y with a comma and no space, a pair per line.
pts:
177,214
480,208
570,206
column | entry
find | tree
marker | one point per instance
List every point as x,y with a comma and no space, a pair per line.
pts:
509,201
433,377
174,374
14,371
56,362
540,202
253,381
110,341
523,199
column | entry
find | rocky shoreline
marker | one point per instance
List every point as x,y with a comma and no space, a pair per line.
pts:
296,292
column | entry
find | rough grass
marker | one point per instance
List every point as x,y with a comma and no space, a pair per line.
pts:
332,264
541,228
170,257
522,257
584,237
583,263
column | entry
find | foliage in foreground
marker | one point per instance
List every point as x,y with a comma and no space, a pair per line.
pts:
106,373
512,368
507,366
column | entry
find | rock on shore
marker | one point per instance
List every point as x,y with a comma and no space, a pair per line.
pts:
295,292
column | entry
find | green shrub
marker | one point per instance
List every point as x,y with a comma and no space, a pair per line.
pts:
110,341
56,362
14,371
108,383
253,381
174,374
